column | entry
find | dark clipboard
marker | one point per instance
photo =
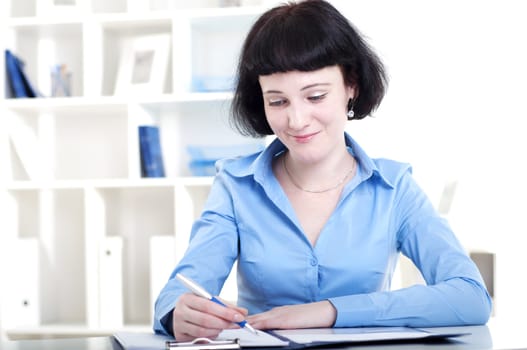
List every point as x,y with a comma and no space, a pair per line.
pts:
365,335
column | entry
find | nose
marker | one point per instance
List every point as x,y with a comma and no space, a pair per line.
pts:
298,116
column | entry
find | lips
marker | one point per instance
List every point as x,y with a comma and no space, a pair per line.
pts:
304,138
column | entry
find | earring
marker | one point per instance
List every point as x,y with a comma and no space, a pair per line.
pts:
350,113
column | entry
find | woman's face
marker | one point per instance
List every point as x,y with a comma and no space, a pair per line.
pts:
307,110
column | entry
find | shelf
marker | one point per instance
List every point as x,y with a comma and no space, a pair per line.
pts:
37,22
71,182
135,24
42,45
197,181
70,330
222,13
53,104
122,18
65,104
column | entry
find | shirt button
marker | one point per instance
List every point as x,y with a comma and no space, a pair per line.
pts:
314,262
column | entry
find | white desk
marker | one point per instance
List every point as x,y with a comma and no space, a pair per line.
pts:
494,335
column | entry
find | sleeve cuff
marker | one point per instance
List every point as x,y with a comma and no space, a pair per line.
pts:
353,311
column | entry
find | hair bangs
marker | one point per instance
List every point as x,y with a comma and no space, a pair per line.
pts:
289,46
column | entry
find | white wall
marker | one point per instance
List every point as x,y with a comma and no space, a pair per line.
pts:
455,109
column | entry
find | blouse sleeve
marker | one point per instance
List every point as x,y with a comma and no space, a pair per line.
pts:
209,258
454,293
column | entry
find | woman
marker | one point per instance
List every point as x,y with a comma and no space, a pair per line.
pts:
315,224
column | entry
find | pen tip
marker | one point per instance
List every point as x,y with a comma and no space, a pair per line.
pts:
251,329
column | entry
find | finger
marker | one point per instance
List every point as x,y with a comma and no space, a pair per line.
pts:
189,331
185,330
205,313
261,321
208,314
243,311
229,313
189,321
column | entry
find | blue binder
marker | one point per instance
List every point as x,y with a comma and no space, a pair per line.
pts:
152,164
18,81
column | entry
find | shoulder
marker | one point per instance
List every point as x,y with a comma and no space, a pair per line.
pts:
386,171
392,171
257,164
237,166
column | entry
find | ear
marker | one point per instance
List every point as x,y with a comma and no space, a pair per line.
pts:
352,92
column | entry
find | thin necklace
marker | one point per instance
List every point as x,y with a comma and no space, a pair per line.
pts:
316,191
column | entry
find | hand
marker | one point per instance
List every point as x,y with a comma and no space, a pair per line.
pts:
196,317
319,314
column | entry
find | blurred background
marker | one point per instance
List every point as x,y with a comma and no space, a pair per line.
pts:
88,239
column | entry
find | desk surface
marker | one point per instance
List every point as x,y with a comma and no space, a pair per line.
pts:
491,336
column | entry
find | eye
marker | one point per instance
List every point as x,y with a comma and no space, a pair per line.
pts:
276,102
317,97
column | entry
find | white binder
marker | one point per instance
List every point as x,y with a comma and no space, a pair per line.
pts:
21,304
162,262
111,282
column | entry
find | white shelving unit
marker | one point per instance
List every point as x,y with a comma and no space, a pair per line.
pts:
75,212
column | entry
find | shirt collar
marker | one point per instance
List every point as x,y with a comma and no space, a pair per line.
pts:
259,165
368,167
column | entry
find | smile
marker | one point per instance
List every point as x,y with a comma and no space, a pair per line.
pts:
304,138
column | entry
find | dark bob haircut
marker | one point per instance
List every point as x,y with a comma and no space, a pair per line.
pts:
303,36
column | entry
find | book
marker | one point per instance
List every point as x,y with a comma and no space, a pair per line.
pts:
152,164
18,81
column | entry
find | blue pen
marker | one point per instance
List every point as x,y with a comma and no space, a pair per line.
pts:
200,291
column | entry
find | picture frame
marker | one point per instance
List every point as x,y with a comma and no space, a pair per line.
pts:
143,65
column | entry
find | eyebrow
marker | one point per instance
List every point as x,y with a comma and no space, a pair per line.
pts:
302,89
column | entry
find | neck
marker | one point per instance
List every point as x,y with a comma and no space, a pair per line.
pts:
309,179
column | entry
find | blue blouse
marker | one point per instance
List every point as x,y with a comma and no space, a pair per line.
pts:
382,212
